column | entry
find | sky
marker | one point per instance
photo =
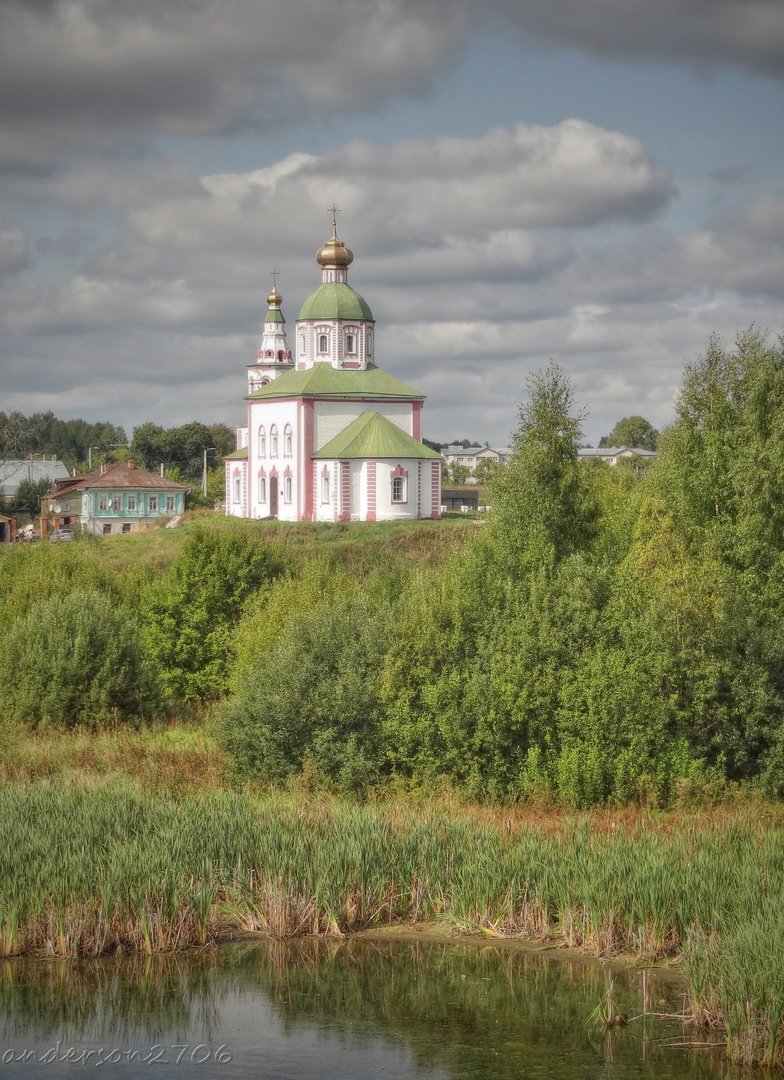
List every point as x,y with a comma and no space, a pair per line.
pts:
600,184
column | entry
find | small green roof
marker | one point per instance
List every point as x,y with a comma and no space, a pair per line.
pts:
274,315
323,380
335,300
372,435
237,455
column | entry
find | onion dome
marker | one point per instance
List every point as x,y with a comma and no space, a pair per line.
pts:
334,254
274,298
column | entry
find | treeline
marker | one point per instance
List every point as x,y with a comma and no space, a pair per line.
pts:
44,433
78,443
607,636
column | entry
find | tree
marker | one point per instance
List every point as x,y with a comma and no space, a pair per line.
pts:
75,659
485,470
190,614
543,506
458,474
632,431
28,496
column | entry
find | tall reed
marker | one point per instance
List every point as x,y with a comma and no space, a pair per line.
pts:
89,872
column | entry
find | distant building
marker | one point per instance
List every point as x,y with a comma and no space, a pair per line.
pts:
470,456
113,499
611,455
16,471
329,435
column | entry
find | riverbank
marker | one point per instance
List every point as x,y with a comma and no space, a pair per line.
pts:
86,871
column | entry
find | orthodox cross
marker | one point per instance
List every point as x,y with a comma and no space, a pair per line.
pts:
334,211
274,275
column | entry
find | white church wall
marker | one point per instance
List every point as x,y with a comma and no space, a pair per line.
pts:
331,417
390,505
275,456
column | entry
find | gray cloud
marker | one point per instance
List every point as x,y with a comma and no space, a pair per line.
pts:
98,77
743,33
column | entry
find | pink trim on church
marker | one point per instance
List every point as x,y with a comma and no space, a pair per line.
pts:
371,491
345,490
416,420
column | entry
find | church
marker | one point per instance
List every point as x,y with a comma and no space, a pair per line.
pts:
330,435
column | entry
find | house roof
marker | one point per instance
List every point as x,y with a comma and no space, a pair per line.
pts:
237,455
614,451
13,471
372,435
323,380
335,300
122,475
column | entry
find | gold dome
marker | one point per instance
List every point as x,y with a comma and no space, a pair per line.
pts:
334,253
274,298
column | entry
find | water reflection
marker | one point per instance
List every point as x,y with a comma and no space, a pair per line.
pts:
316,1008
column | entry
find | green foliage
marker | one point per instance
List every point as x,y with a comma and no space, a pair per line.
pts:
74,660
28,496
182,448
542,504
632,431
191,613
44,433
310,700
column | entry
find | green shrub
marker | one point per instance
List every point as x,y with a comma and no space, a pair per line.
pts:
190,614
74,660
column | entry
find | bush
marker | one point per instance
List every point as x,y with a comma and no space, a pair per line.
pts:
190,614
74,660
313,702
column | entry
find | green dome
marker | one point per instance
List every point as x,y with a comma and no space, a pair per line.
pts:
335,300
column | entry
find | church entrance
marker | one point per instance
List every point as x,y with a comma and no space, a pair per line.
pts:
273,507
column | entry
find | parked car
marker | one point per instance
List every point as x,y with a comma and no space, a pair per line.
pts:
58,535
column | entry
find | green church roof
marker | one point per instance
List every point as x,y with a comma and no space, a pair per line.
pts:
274,315
323,380
335,300
237,455
372,435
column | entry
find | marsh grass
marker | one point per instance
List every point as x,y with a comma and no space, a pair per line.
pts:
89,871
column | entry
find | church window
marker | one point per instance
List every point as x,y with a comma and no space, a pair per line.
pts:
325,487
262,488
287,441
262,442
399,485
302,344
369,340
351,344
273,441
236,489
287,487
323,343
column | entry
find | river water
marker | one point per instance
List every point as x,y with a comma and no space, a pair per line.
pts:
357,1009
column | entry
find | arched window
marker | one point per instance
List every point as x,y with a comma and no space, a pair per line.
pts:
399,485
351,344
237,488
287,447
302,344
273,441
325,486
323,343
262,442
287,489
262,487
